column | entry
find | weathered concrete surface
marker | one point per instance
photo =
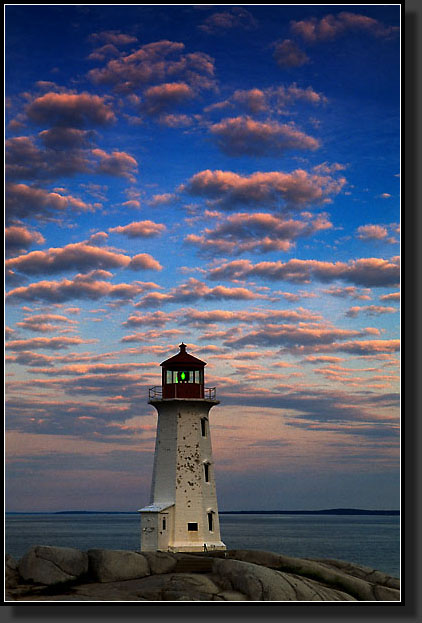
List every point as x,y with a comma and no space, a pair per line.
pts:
51,565
235,575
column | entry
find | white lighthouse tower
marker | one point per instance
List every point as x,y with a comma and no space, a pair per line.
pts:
182,514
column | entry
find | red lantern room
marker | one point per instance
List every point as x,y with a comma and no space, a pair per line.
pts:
183,376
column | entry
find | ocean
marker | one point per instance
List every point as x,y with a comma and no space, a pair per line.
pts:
369,540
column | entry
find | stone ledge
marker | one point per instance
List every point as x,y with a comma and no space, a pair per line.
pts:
66,574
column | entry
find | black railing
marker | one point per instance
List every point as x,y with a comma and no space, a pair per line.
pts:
210,393
156,393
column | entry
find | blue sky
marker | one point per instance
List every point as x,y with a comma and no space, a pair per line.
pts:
227,176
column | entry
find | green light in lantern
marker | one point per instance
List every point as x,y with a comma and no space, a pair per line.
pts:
183,376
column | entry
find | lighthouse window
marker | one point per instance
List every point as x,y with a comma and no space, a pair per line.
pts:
193,527
210,522
164,523
169,377
204,427
207,472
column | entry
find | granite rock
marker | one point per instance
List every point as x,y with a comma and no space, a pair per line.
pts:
62,574
43,564
116,565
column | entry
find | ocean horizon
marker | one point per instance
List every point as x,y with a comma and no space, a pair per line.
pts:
370,539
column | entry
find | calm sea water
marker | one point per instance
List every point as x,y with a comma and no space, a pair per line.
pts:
372,541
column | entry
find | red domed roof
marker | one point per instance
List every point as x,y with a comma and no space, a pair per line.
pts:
183,357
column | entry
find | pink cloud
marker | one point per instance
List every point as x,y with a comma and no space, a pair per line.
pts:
117,164
89,286
394,296
77,256
114,37
70,110
331,26
155,62
235,17
66,138
27,201
195,290
288,54
373,310
244,136
258,231
18,238
45,322
226,190
139,229
349,291
49,343
372,232
365,272
164,97
144,261
24,160
246,316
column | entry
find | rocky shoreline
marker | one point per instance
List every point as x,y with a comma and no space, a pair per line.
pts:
46,574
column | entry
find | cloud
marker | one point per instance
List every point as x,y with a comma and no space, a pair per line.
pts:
144,261
372,232
117,164
77,256
70,110
165,97
154,319
271,99
366,272
45,322
66,138
84,287
155,62
18,238
139,229
349,291
372,310
46,343
226,190
23,201
25,161
235,17
307,335
115,37
288,54
197,317
241,136
394,296
195,290
315,30
259,231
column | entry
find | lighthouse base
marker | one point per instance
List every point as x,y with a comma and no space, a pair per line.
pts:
205,547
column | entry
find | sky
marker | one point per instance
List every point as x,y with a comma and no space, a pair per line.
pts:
227,176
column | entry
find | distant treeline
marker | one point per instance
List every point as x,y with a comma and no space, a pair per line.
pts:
329,511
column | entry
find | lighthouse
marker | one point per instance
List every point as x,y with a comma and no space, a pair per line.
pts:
182,514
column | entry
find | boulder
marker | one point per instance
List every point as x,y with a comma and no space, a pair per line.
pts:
160,562
12,573
47,565
116,565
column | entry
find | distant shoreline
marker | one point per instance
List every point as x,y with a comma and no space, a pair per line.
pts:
330,511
